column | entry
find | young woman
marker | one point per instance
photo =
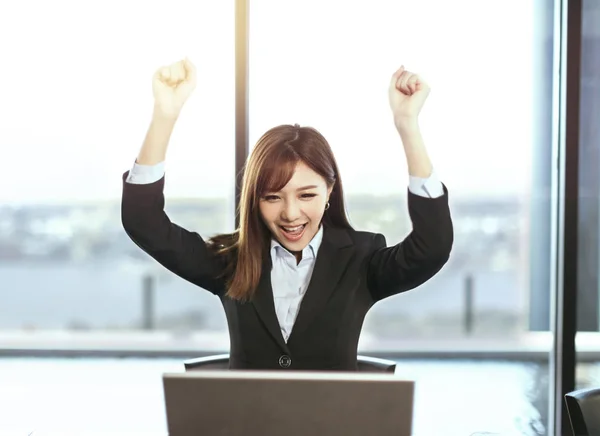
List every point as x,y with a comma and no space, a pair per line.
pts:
295,279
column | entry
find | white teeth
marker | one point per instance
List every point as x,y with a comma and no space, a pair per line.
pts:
292,229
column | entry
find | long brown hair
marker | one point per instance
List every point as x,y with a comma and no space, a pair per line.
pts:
269,168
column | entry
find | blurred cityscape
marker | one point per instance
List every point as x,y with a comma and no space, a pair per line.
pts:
72,266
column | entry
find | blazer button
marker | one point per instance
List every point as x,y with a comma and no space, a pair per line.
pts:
285,361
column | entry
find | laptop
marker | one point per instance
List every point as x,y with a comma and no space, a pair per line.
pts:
276,403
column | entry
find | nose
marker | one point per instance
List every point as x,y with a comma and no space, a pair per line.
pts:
291,211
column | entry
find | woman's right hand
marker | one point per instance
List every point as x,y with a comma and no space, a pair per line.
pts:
171,86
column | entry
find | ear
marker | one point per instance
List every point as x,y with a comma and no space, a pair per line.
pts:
329,190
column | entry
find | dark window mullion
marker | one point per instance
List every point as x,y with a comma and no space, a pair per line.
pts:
563,361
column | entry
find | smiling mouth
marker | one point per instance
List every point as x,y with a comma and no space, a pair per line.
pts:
293,233
294,229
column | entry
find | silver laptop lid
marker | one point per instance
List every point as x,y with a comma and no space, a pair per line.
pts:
287,403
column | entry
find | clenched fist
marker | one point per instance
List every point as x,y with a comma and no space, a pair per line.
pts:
171,86
407,95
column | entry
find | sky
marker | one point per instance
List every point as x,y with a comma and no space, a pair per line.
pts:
76,94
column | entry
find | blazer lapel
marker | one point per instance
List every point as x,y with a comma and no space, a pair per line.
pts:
332,260
264,305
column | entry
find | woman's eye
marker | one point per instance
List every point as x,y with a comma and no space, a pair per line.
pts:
308,195
271,197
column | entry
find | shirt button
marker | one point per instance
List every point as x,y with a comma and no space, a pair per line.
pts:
285,361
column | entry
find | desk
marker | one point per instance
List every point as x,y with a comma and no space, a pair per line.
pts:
62,396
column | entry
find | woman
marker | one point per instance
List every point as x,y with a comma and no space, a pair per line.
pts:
295,279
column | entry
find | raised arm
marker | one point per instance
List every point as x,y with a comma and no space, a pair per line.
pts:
427,248
183,252
171,86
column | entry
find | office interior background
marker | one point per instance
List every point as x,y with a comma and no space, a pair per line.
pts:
88,322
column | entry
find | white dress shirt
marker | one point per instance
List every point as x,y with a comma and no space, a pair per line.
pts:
290,279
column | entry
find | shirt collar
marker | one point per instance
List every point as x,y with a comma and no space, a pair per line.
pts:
310,251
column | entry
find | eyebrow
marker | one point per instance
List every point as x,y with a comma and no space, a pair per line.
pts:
304,188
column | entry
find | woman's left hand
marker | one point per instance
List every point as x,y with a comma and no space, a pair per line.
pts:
407,94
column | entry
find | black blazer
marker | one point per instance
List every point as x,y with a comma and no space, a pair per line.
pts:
353,271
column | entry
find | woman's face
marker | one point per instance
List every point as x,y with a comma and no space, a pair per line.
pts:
293,215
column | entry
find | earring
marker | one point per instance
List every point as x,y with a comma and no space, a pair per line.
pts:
327,206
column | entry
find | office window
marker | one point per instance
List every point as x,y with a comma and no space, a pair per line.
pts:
487,126
76,104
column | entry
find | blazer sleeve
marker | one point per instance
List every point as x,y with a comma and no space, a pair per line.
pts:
392,270
182,252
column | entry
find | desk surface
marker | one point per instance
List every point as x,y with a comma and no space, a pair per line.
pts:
94,396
